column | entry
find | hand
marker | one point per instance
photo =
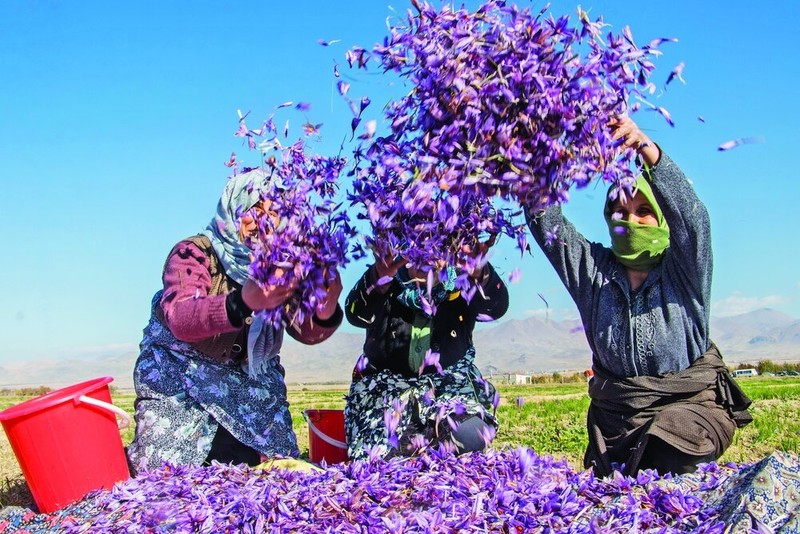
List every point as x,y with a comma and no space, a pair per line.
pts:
479,253
327,305
386,266
625,128
268,297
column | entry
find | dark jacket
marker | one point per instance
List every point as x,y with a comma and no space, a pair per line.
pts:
389,323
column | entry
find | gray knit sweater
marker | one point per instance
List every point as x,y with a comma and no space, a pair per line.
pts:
661,327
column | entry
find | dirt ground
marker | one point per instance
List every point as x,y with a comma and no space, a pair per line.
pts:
13,488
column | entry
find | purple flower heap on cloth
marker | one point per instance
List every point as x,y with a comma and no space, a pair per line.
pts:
304,236
503,105
511,490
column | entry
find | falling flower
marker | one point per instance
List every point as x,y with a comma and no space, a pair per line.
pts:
310,237
343,87
676,72
369,130
738,142
551,236
505,107
431,358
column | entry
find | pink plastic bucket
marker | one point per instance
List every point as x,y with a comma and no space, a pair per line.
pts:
326,436
67,442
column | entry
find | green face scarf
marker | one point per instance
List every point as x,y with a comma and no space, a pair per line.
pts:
638,246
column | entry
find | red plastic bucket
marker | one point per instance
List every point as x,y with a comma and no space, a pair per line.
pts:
67,442
326,436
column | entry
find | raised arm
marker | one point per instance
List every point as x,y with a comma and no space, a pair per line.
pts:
573,257
366,300
491,298
327,316
690,254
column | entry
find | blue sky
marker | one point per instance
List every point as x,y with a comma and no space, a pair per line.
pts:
116,118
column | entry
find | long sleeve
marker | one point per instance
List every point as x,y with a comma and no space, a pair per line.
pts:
690,256
491,299
314,330
364,302
190,312
575,259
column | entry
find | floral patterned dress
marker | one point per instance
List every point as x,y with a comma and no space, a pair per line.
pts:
183,395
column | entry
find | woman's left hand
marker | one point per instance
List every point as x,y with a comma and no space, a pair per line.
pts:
327,305
624,128
480,252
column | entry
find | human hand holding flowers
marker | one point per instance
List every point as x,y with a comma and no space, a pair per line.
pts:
267,297
632,137
301,234
479,253
386,266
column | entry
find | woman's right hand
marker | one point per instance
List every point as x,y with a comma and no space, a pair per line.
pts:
268,297
386,266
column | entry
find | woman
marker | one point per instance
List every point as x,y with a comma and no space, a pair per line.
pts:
661,396
416,384
208,380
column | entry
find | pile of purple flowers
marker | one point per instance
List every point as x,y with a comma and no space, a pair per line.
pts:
305,235
503,104
497,491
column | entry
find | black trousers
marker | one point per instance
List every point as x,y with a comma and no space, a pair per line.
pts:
226,449
664,458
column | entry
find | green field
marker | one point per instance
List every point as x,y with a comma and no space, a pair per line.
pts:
550,420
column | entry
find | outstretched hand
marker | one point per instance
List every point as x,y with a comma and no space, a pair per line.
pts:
479,252
626,129
386,266
268,297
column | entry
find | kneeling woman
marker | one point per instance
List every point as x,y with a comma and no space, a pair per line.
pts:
401,398
209,383
661,396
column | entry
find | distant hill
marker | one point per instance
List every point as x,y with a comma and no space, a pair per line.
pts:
532,345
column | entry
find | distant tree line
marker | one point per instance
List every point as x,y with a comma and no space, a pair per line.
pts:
34,391
768,366
25,392
545,378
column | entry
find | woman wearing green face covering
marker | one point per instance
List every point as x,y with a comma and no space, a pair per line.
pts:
661,396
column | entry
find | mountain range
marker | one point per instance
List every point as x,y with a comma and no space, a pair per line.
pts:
523,346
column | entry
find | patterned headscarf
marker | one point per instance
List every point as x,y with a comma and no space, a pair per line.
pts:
241,193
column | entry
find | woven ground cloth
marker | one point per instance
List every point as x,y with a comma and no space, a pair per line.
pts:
503,490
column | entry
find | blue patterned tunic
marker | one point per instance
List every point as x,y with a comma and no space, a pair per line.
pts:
661,327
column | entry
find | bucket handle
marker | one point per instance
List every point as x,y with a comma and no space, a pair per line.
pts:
324,437
124,418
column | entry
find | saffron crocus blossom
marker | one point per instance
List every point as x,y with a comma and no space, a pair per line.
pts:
504,106
727,145
512,490
307,236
